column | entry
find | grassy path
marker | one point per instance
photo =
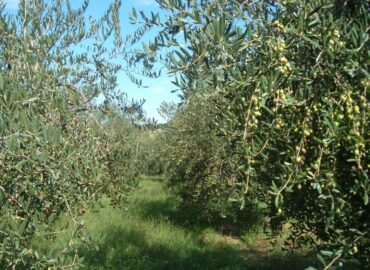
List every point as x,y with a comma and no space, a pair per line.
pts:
151,234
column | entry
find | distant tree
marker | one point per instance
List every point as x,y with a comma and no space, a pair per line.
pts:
167,110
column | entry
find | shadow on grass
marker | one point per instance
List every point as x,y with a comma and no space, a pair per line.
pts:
156,234
132,249
170,207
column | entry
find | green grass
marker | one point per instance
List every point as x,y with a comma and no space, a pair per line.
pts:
153,233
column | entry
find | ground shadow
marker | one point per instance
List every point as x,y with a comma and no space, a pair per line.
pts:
130,248
188,217
140,242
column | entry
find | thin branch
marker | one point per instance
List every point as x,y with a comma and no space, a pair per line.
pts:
333,261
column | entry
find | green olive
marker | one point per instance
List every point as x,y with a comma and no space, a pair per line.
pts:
357,109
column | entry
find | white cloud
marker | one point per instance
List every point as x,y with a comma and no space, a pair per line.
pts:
11,4
158,89
145,3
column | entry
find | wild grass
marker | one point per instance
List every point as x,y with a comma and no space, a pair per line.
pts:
153,233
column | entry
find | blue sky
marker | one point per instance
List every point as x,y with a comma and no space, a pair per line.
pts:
159,89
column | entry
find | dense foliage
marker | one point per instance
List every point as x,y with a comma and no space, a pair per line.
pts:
201,165
281,88
56,153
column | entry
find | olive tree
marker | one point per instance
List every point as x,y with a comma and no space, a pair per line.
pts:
55,154
290,80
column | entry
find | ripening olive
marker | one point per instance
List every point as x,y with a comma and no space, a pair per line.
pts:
336,33
257,113
283,60
357,109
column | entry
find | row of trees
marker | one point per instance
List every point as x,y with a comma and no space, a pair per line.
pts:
275,111
60,148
